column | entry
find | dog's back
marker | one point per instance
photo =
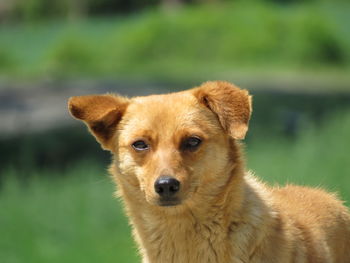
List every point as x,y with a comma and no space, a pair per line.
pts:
319,219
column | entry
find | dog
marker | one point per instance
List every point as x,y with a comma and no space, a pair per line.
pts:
180,172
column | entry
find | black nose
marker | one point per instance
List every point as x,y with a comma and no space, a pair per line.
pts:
166,186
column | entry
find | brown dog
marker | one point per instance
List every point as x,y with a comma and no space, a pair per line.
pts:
181,175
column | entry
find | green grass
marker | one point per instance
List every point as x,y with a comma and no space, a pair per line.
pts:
186,43
63,218
72,217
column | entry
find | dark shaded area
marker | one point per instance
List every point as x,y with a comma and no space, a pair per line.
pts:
107,7
42,9
56,149
287,114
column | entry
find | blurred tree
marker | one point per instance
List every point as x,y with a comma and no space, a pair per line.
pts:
171,3
42,9
118,6
38,9
76,8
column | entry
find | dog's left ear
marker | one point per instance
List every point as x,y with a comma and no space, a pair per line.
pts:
232,105
101,113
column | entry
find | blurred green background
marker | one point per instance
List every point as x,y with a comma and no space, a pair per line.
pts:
56,199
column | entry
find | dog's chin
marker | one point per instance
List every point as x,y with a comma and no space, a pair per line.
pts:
169,202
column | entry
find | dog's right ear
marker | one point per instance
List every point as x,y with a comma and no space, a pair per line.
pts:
101,113
232,105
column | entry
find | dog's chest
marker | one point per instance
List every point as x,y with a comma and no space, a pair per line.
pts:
180,242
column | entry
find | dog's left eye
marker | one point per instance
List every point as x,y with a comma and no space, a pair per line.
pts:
191,143
140,145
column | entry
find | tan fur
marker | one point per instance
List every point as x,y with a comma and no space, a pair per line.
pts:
226,215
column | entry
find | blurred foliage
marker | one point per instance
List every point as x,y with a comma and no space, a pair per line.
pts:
29,10
322,43
186,41
247,36
71,55
303,1
7,60
34,10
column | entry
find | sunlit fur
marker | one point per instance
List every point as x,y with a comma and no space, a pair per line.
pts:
225,214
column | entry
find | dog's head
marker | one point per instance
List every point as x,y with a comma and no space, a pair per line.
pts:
170,148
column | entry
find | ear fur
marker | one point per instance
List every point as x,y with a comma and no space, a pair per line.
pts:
101,113
232,105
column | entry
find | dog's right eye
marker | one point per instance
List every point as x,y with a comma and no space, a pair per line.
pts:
140,145
191,143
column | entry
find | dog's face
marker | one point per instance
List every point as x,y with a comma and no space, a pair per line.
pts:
169,148
165,141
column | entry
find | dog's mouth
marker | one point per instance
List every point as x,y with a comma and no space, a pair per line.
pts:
169,202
